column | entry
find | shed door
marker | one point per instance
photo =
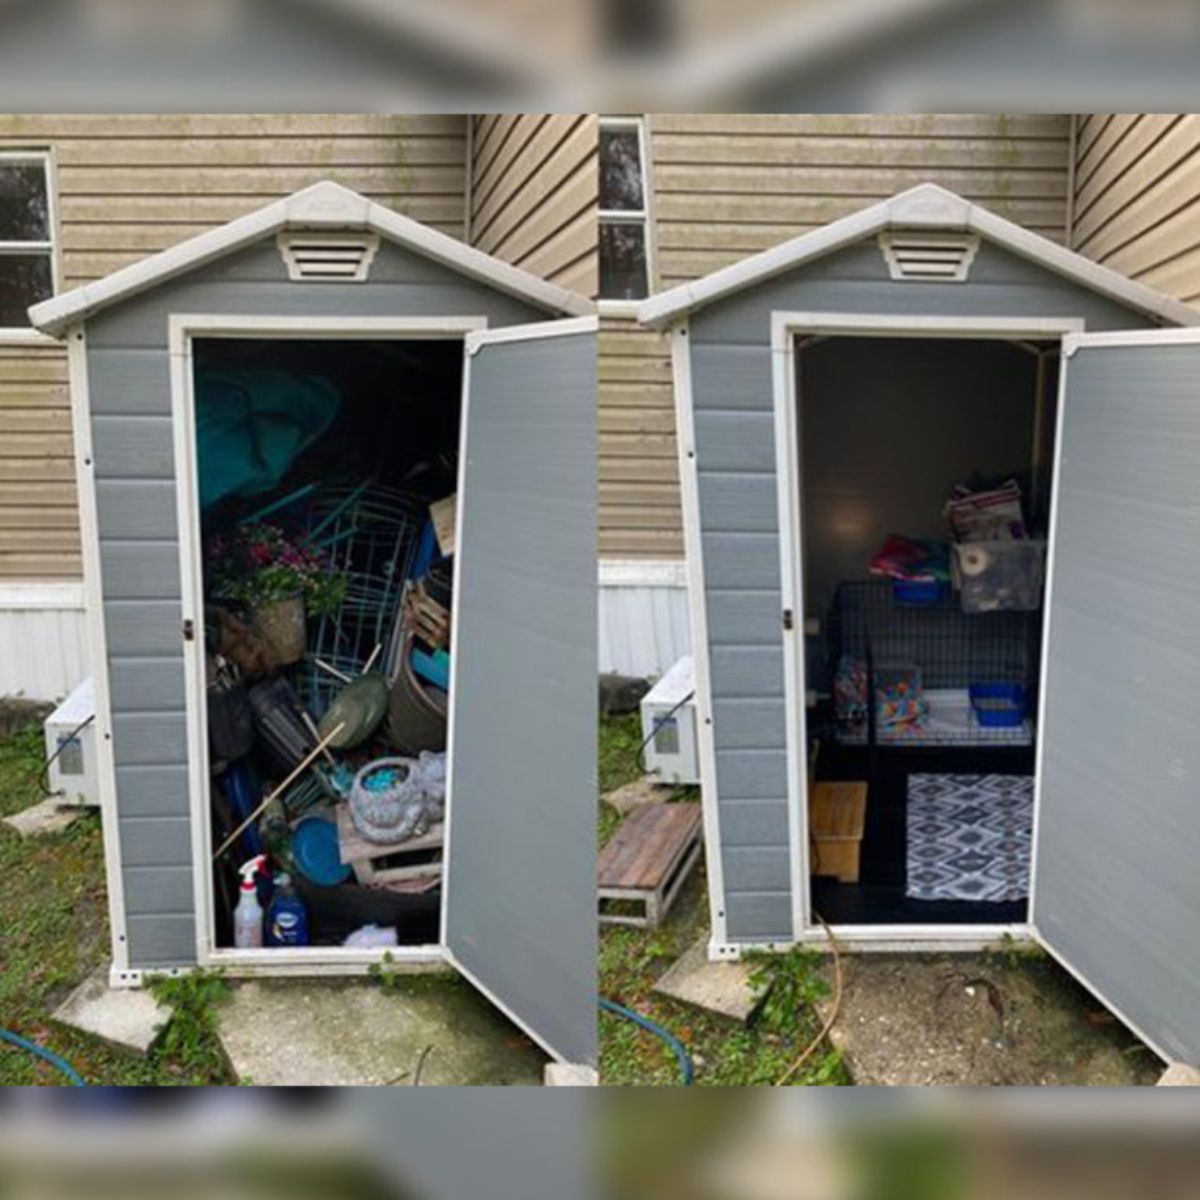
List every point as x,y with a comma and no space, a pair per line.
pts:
1117,840
520,912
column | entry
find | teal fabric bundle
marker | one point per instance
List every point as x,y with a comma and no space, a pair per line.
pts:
252,424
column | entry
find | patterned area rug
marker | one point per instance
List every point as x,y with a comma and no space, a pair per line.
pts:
969,837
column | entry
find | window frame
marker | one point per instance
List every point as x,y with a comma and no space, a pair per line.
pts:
619,306
45,157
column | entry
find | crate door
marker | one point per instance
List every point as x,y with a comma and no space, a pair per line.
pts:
520,911
1116,893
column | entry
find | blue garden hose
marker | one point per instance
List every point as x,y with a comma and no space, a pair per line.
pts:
41,1052
685,1062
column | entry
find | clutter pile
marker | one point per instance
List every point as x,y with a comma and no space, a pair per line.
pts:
328,667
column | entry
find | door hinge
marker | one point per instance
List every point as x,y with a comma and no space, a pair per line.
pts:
189,630
789,619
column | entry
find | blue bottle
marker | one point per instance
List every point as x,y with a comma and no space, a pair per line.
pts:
287,916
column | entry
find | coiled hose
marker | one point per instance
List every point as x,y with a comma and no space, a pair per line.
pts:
60,1064
680,1051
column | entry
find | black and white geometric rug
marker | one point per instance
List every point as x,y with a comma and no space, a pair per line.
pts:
969,837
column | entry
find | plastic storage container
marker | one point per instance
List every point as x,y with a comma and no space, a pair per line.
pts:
999,705
917,592
1000,576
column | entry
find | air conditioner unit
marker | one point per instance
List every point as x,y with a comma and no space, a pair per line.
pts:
73,775
669,726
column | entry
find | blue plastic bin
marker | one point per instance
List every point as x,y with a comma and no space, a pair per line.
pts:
999,705
925,591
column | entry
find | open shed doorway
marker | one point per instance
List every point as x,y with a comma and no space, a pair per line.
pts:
925,482
325,475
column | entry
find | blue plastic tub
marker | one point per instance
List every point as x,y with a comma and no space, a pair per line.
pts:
926,591
999,705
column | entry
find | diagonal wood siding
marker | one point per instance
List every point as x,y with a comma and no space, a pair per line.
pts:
727,186
130,186
1137,197
533,194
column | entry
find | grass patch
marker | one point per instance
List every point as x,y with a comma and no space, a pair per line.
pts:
631,961
54,923
618,760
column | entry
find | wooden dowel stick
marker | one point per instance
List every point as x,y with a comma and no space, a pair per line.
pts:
304,765
332,671
312,728
374,656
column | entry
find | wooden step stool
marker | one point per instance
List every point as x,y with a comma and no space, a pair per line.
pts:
837,813
647,861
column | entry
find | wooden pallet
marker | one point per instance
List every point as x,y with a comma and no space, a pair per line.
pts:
386,866
647,861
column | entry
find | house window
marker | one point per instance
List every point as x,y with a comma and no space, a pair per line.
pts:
624,202
26,236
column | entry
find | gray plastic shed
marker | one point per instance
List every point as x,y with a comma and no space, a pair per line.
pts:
829,392
517,911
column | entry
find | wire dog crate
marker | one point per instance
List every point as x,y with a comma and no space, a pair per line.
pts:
936,653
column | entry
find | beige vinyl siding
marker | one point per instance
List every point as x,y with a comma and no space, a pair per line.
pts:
533,194
129,186
39,524
727,186
1137,198
639,474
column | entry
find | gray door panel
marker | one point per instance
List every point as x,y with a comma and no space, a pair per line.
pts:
520,890
1117,884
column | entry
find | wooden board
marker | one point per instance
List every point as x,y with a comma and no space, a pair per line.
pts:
443,514
643,849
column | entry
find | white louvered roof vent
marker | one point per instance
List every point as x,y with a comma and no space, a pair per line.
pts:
929,257
328,257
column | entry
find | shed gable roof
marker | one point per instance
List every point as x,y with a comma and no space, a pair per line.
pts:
324,206
927,207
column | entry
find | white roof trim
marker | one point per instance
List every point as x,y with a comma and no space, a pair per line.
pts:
324,205
925,207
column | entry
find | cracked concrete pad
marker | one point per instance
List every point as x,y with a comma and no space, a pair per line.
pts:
315,1033
1180,1075
571,1075
722,988
45,817
124,1017
978,1020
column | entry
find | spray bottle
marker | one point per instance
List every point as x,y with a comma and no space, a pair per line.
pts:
248,916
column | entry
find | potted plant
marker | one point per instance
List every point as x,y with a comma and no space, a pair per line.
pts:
278,581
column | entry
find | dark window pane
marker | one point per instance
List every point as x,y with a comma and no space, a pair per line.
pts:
24,280
622,261
24,210
620,169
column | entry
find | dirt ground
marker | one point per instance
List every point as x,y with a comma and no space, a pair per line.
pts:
1008,1018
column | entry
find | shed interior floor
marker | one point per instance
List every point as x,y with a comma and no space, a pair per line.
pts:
879,897
888,428
333,451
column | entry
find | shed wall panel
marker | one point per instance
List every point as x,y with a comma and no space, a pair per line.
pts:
735,439
129,389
